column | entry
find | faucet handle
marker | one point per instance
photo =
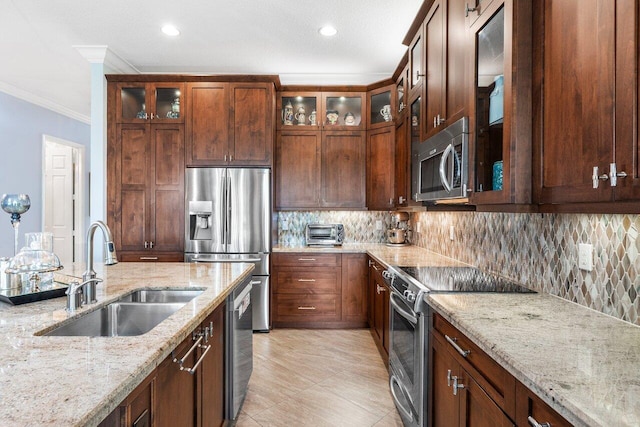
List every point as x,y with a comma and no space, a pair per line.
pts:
76,293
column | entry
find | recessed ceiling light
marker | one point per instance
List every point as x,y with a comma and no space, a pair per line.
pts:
328,31
170,30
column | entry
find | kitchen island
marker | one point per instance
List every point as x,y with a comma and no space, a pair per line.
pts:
77,381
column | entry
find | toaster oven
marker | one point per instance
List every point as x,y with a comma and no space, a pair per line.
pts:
324,234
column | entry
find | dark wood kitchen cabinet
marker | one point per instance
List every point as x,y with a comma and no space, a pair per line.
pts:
230,123
148,102
379,309
171,396
435,36
145,172
381,164
320,160
500,107
586,102
319,290
529,404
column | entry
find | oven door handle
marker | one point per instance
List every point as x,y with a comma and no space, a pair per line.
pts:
405,411
404,313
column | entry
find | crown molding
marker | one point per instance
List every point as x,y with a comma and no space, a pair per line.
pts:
42,102
101,54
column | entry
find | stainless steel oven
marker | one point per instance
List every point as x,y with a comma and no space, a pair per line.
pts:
406,349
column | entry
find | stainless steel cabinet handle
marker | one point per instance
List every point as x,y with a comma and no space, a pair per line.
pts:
533,423
225,157
440,120
456,386
148,258
146,245
469,9
302,307
306,280
231,157
418,75
306,259
435,123
401,200
452,341
150,245
596,177
448,377
613,172
193,347
375,267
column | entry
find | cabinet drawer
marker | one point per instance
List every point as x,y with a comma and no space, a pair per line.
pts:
307,259
297,307
493,378
307,281
150,257
528,404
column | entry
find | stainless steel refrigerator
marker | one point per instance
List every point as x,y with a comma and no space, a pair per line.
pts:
228,219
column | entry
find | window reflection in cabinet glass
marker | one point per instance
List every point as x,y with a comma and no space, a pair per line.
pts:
343,111
133,103
381,108
299,111
415,121
416,62
489,103
400,91
168,102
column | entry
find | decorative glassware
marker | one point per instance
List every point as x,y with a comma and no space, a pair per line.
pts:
16,205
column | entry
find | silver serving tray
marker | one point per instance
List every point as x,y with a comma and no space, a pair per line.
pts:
24,294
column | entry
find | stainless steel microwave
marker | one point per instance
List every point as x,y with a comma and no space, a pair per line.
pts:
440,165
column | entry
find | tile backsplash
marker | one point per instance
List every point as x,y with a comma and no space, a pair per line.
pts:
359,226
541,252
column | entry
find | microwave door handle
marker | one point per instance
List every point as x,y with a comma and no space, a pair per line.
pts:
443,175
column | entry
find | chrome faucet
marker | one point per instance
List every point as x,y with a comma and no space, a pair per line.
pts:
89,288
75,293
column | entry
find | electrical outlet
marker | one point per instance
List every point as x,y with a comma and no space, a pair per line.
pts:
452,234
378,225
585,256
285,224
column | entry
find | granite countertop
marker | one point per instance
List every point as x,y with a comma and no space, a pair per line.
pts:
77,381
582,363
389,255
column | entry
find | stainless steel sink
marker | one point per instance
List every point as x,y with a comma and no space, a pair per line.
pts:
161,295
118,319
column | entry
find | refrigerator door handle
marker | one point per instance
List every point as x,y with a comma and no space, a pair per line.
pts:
229,209
223,208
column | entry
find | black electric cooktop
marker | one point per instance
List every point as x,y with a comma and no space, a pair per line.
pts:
461,279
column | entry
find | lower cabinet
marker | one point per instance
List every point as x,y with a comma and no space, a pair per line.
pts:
379,309
468,387
191,396
319,290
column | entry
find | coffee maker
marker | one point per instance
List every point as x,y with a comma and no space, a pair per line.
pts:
397,235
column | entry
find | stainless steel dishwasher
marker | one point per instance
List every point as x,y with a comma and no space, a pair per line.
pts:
239,347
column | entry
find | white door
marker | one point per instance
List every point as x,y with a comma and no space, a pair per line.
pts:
59,198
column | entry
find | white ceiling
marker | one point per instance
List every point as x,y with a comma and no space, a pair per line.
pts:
279,37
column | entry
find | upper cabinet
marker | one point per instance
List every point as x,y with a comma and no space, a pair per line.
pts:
500,119
586,106
229,124
321,150
382,107
435,36
140,102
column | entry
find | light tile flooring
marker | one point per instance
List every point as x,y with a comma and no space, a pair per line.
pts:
317,378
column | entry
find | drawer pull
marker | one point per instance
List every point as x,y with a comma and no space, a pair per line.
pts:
302,307
148,258
193,347
534,423
452,341
456,385
306,259
306,280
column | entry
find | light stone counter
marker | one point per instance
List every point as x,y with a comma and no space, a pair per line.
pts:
390,255
584,364
77,381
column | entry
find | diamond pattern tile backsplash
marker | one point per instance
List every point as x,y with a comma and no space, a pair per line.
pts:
359,226
540,251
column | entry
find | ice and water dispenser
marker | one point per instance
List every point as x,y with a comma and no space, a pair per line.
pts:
200,221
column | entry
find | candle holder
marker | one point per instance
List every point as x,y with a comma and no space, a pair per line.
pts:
16,205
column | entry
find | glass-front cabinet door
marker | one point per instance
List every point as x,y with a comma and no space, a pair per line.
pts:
300,110
139,102
343,111
489,105
416,134
380,107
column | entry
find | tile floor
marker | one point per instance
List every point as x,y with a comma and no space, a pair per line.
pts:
318,378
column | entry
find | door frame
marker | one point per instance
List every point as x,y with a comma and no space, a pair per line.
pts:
80,196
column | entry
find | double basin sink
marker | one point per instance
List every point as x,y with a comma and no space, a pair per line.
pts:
130,315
